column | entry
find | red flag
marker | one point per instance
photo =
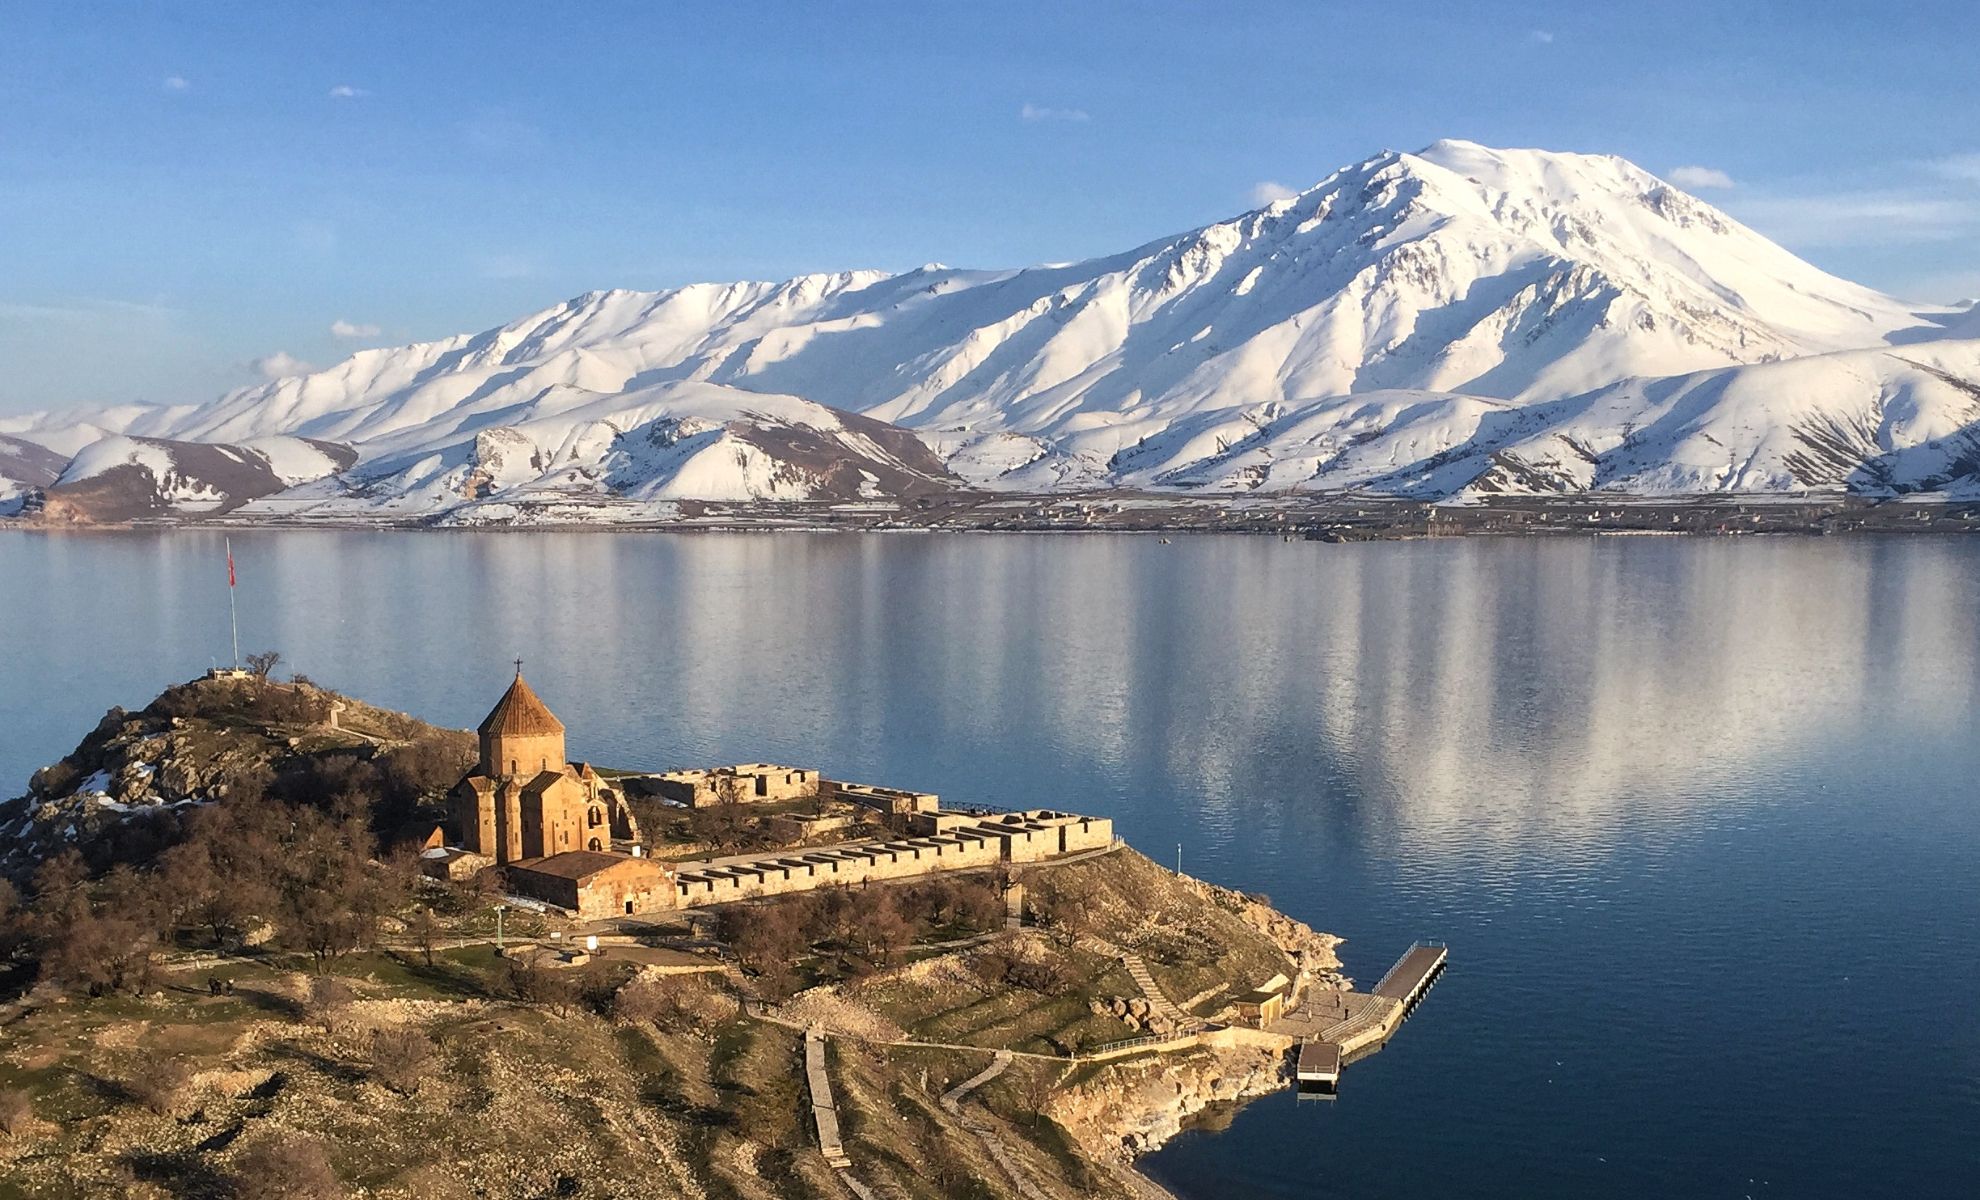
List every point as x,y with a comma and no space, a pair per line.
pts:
230,564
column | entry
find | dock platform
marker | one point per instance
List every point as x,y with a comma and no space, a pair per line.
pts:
1368,1019
1413,973
1319,1064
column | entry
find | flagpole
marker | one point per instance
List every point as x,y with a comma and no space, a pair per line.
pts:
233,611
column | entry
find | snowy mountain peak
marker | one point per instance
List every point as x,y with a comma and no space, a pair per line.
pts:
1434,296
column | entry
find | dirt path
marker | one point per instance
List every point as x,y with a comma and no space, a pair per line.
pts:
985,1131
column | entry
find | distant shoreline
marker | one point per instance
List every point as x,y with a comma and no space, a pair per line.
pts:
1333,519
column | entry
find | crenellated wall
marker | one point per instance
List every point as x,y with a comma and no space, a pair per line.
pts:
966,843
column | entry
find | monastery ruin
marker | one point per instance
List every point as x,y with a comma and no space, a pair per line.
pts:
564,834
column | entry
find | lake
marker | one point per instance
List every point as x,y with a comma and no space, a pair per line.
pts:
1697,817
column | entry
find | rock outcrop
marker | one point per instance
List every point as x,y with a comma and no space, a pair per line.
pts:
195,744
1132,1108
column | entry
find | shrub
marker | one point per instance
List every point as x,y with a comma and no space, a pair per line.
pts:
402,1059
286,1167
161,1086
328,1001
16,1112
671,1003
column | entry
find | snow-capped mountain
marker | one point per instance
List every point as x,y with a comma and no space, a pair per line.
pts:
573,454
120,478
24,466
1884,422
1457,320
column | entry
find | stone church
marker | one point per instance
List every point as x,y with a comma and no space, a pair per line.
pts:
524,800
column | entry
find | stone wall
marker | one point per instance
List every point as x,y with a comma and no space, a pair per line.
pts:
803,870
966,843
1026,836
645,885
794,827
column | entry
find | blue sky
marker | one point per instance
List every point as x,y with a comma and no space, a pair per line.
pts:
189,189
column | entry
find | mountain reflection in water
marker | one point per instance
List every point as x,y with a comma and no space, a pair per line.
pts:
1696,816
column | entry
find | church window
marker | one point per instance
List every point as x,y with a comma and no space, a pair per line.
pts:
597,817
594,845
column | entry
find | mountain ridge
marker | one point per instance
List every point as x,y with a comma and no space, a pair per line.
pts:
1428,305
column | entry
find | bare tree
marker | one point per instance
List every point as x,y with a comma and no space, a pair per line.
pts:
670,1002
526,979
880,930
768,939
402,1059
424,930
264,663
328,1001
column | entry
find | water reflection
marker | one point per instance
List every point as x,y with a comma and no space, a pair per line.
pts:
1504,689
1662,793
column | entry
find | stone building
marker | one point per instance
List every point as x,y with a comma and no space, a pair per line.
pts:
745,783
524,799
563,834
594,884
892,802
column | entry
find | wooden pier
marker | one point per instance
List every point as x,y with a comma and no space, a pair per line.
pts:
1413,973
1374,1017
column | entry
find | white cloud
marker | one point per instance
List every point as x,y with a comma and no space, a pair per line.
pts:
1696,177
1037,112
345,91
1544,37
280,365
1865,218
350,329
506,266
1964,168
499,132
89,308
1270,192
177,83
1948,287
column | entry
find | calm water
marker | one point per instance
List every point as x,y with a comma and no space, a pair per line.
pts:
1698,818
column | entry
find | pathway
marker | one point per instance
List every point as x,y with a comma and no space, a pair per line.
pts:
1158,1000
952,1098
823,1112
985,1131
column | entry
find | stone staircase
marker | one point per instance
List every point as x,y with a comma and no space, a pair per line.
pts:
1158,1000
986,1132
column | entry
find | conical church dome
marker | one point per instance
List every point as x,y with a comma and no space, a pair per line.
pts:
520,714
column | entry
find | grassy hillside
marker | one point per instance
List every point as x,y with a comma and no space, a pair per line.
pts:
216,981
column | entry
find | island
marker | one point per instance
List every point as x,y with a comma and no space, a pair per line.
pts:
260,939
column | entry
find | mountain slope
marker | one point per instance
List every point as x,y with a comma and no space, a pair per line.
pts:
121,478
1409,313
575,455
24,466
1880,422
